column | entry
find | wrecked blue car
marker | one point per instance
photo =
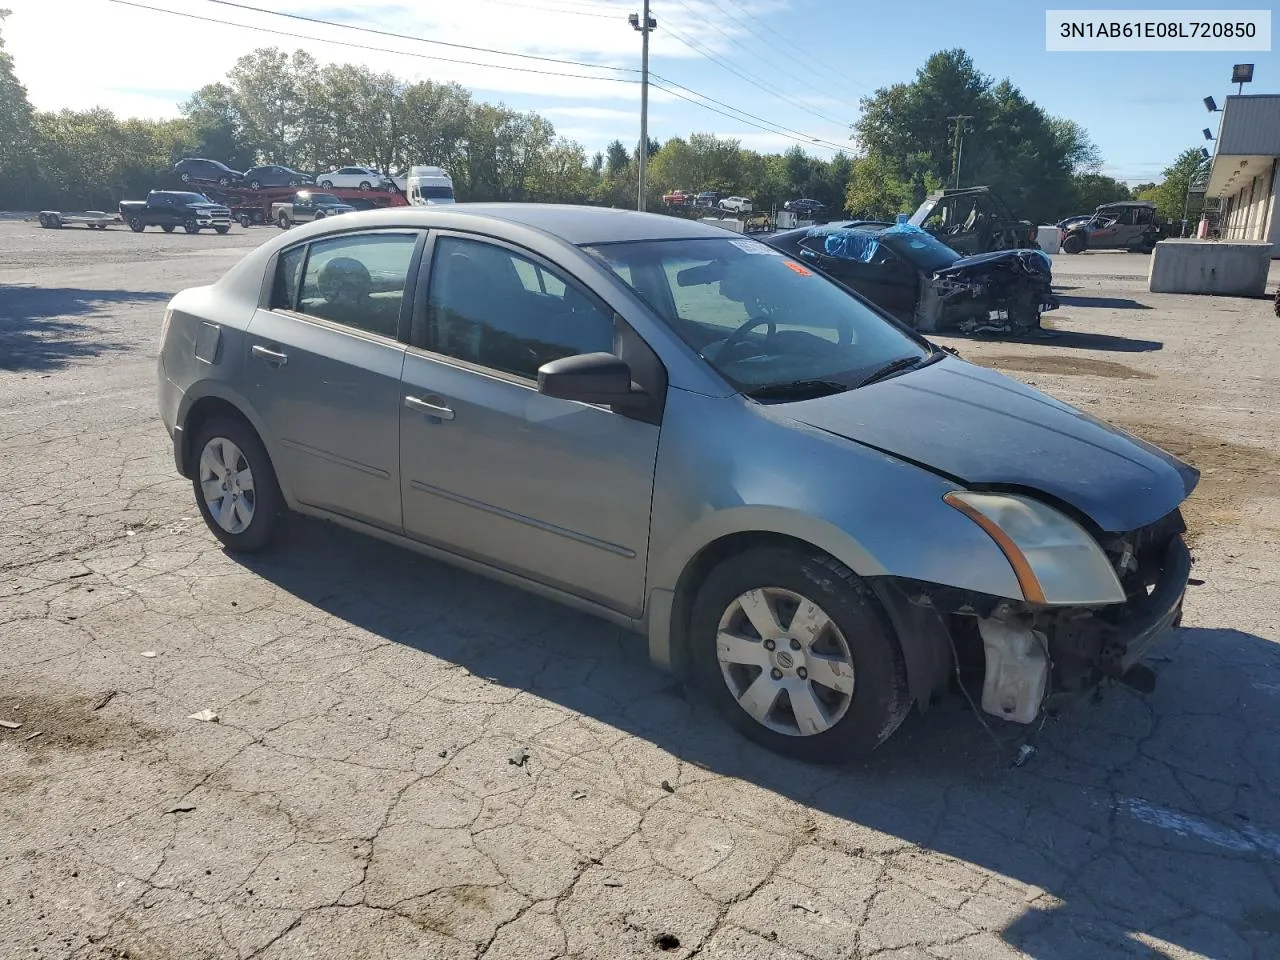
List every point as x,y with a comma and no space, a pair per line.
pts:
914,276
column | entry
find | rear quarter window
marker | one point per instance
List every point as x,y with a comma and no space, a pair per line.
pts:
284,292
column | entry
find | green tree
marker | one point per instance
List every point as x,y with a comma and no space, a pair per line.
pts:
217,126
1092,190
16,132
274,94
1170,194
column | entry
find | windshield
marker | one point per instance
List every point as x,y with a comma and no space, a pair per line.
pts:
758,317
918,247
192,198
435,193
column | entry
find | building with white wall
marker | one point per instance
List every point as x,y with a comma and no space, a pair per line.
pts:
1245,175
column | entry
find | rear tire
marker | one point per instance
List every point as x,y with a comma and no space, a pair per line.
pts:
185,177
136,224
232,464
284,223
366,185
167,227
326,184
255,185
855,646
1073,243
224,182
246,221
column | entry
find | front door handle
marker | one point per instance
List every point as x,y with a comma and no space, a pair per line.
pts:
431,409
273,357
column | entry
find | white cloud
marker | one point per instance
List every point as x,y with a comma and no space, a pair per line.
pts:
177,55
181,53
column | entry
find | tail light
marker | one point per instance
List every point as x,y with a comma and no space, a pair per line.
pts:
164,327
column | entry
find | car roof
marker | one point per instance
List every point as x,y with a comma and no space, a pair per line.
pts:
578,225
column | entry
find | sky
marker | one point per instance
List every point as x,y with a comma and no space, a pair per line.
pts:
779,72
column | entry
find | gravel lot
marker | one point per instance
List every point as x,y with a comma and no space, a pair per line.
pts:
358,797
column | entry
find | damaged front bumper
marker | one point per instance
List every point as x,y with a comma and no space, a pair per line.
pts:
1024,654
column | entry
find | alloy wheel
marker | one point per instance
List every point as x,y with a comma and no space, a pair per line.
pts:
785,661
226,482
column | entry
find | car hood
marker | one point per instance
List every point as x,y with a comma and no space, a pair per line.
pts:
1036,259
985,430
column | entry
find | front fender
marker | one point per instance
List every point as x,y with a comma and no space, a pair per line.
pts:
757,471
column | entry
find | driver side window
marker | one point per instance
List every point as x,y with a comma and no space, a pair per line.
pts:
495,308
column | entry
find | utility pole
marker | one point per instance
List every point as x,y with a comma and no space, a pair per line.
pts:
958,140
649,25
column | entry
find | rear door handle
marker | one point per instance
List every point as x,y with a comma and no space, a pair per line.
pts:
431,409
273,357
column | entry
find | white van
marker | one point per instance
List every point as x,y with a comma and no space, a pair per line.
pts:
426,186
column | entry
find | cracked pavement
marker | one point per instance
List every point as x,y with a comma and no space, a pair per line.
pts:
360,794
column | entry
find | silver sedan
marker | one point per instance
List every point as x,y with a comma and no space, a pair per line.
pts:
809,509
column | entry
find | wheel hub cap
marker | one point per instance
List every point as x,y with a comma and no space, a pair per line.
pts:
226,482
785,661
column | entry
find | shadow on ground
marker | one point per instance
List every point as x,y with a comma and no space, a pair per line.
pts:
1111,303
1145,820
38,329
1067,340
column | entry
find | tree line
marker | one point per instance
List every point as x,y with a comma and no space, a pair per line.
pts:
287,108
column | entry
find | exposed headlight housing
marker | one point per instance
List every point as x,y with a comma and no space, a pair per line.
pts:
1056,561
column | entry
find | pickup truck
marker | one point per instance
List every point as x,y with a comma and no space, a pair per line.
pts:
168,209
306,206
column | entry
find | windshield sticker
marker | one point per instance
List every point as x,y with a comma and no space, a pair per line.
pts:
755,246
792,265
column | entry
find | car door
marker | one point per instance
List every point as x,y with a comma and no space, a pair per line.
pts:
304,208
553,490
323,370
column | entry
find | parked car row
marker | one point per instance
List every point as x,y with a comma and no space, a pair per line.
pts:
201,170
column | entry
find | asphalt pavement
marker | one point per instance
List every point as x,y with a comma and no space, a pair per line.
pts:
412,762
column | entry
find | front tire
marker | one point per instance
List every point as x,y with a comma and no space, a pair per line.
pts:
795,650
190,225
235,485
1073,243
326,184
366,185
222,230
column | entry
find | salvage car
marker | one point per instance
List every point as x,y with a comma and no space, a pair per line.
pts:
922,281
974,220
810,510
1129,225
305,206
200,170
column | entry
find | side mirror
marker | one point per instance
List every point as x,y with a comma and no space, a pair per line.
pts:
587,378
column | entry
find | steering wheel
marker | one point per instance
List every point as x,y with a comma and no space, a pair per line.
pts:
738,337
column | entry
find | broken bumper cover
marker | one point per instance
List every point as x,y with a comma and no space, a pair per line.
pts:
1127,641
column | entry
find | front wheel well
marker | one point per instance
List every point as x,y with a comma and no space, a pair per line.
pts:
696,572
201,412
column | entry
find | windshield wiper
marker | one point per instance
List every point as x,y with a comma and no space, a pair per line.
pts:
899,365
797,389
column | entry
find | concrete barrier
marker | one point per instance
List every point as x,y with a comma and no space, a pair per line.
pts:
1049,238
737,226
1224,268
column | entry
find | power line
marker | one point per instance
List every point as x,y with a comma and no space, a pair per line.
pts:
543,8
734,40
772,91
785,131
769,126
438,43
364,46
654,79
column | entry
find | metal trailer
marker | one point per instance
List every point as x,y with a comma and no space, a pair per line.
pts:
250,207
93,219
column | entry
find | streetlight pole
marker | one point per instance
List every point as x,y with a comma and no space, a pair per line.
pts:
649,25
